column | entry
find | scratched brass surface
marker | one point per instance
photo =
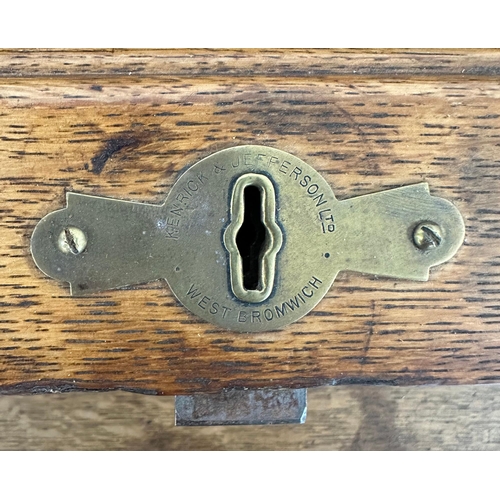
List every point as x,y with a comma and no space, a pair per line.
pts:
191,239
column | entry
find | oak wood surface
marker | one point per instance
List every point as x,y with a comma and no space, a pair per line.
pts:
125,123
338,418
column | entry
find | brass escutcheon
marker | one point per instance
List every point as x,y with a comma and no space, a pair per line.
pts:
250,238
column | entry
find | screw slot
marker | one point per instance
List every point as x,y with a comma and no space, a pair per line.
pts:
427,235
72,240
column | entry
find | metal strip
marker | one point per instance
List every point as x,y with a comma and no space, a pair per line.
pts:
242,407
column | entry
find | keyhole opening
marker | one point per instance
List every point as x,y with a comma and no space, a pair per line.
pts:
251,238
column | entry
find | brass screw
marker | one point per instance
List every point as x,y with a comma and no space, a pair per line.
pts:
72,240
427,235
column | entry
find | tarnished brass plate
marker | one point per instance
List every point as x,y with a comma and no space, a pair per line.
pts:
191,240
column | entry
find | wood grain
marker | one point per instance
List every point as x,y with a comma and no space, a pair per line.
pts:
339,418
245,62
85,122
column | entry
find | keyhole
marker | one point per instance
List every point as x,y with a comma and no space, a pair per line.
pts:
251,237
